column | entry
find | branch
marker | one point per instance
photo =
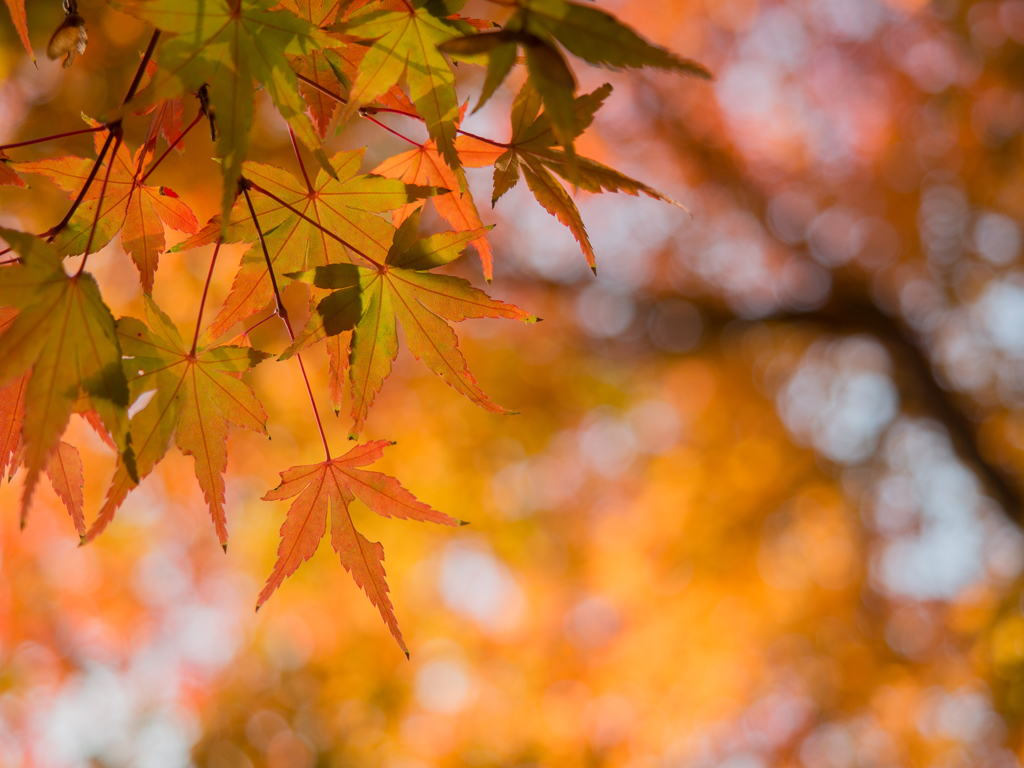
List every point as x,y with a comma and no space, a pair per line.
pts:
113,128
849,313
142,67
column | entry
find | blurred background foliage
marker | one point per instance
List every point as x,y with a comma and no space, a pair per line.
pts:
762,504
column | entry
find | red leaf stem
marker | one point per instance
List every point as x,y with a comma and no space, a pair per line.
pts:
202,301
244,185
54,137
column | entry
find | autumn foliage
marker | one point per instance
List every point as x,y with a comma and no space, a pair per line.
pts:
352,239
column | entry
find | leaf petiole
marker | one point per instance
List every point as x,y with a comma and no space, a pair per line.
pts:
116,131
244,185
295,146
368,113
202,301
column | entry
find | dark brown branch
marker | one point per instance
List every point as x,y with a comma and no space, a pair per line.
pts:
849,313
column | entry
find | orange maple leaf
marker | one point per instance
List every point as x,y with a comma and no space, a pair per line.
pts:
17,9
330,487
425,166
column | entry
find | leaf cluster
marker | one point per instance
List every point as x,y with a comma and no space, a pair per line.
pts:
351,238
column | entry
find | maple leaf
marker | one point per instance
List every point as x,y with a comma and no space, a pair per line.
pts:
330,487
320,66
227,43
12,406
345,206
66,335
166,115
368,304
424,165
65,465
66,476
196,396
531,153
137,211
587,32
406,42
8,176
17,9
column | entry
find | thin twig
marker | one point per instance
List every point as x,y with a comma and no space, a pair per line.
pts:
256,187
202,301
142,67
284,315
325,91
54,137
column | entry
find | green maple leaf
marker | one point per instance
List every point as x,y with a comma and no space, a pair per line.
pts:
539,26
367,304
65,334
196,395
407,42
346,206
226,44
